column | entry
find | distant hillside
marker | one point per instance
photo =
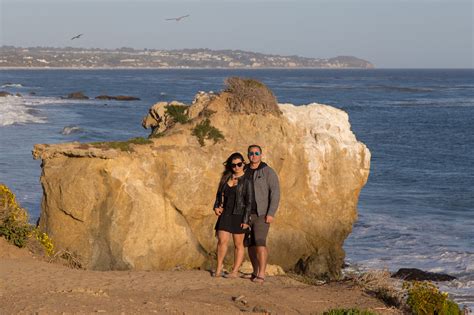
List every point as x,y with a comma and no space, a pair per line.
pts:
69,57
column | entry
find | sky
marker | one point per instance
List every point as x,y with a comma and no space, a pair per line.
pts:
388,33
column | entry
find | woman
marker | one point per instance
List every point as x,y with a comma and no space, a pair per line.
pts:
233,205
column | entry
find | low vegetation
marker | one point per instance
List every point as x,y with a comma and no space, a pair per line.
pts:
250,96
156,135
67,258
425,298
121,145
15,226
205,131
178,113
415,297
380,284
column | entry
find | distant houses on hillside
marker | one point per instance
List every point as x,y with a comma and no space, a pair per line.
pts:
69,57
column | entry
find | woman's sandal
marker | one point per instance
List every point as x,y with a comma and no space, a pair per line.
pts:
215,275
231,275
258,279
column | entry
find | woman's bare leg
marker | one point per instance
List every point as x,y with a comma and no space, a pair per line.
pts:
222,243
239,252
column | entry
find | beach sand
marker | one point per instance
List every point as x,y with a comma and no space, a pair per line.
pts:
32,285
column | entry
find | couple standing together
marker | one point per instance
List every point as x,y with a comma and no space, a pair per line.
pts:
246,203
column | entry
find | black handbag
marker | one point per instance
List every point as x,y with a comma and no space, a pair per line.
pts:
248,237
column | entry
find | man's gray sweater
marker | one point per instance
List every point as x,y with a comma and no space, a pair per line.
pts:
267,190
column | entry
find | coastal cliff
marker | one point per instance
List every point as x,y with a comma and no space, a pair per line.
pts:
147,205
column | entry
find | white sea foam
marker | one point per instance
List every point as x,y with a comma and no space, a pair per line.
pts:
70,130
13,110
20,110
10,85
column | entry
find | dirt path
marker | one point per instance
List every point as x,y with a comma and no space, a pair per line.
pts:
29,285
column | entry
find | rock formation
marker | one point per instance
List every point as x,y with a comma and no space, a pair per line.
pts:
77,96
151,207
414,274
117,98
4,94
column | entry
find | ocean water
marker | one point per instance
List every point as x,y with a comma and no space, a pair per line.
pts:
417,209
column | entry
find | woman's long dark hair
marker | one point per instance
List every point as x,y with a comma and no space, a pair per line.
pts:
228,167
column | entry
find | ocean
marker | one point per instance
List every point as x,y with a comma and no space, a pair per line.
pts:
417,209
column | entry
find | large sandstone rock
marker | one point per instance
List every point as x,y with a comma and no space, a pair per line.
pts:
152,208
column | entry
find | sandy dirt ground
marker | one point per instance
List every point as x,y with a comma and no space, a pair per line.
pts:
30,285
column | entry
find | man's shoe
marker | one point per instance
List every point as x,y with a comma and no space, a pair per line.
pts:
249,276
258,279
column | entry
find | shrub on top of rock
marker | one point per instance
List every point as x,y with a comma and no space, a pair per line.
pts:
177,113
205,131
250,96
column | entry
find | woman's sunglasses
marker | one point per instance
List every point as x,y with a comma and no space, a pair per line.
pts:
236,164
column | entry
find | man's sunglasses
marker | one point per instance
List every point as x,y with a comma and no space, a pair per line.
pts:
236,164
254,153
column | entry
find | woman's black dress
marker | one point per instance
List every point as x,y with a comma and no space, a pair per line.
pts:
227,221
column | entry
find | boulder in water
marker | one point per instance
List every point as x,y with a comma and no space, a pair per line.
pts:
117,98
3,94
77,96
411,274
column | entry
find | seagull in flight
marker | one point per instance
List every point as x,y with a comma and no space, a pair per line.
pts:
77,36
177,19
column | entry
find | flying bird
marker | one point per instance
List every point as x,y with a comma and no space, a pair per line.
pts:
77,36
177,19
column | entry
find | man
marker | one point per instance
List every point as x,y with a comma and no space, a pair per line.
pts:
266,190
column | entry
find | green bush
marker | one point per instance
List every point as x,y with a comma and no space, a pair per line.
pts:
14,225
178,113
204,130
350,311
16,233
425,298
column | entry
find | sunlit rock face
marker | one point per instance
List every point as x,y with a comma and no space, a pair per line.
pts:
150,207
